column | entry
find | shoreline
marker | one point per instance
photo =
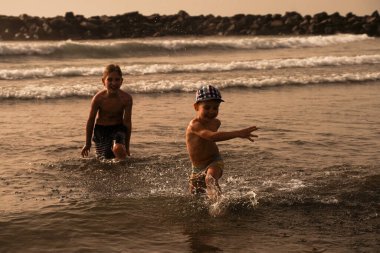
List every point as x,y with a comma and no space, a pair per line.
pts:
136,25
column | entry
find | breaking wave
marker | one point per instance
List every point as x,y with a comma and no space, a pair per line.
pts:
143,69
133,47
51,90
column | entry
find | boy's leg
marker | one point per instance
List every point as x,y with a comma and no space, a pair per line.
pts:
118,146
119,151
197,183
103,143
212,176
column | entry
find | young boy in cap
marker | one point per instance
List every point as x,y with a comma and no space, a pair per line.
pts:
201,137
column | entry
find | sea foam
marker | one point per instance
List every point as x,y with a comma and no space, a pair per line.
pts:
64,90
144,69
136,47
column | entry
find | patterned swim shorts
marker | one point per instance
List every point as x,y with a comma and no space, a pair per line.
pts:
104,138
198,176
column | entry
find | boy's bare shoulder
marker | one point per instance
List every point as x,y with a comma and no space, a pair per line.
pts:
190,126
125,96
99,95
196,125
193,122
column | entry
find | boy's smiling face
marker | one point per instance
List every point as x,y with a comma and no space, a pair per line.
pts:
207,109
112,82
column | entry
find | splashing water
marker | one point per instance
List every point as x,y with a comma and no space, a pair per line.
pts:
233,201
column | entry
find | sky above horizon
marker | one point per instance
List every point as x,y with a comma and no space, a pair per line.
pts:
52,8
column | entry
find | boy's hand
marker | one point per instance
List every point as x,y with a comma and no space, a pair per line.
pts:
85,150
246,133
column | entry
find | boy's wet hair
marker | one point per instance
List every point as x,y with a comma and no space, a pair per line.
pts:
112,68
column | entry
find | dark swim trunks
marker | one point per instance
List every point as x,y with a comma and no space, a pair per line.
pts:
104,138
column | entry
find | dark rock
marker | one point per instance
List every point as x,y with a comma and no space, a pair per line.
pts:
133,24
375,14
69,16
319,17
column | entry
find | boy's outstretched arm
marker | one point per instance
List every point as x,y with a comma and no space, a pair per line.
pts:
216,136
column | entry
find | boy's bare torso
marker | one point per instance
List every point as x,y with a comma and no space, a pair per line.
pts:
201,151
111,107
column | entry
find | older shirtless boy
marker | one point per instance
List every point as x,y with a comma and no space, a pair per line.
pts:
109,124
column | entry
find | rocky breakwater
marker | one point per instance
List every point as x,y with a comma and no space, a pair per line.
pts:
135,25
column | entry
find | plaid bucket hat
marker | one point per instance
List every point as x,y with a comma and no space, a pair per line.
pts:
208,92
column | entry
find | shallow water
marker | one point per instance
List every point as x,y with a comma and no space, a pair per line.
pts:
302,186
309,183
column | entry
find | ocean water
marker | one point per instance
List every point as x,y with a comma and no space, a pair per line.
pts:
309,183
